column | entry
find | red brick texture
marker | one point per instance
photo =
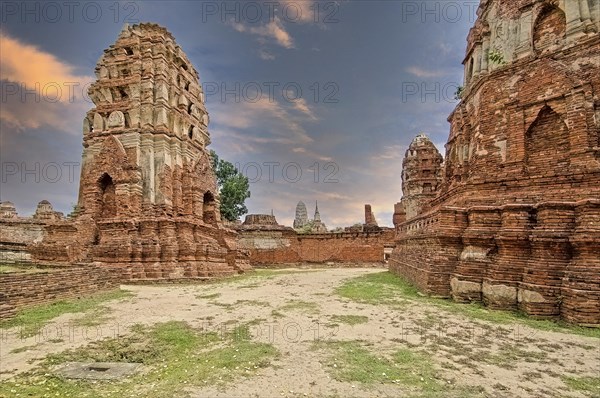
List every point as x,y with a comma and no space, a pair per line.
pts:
522,170
542,259
287,247
20,290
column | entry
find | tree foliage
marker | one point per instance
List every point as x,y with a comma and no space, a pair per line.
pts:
307,228
234,188
459,93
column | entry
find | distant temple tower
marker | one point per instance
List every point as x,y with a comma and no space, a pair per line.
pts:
370,224
44,211
301,216
148,198
421,177
318,225
317,214
8,210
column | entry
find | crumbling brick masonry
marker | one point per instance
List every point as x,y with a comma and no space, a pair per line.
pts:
515,220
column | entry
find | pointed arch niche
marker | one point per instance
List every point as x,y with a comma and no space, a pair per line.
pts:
108,197
209,208
550,28
547,144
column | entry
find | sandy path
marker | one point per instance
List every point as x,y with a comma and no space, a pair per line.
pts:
457,344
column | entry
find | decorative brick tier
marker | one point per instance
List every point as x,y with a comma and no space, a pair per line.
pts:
541,259
551,254
581,282
479,252
504,274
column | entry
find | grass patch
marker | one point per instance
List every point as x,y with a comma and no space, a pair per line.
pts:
509,355
257,303
175,356
232,306
32,320
250,286
95,317
300,305
208,296
227,306
390,289
478,311
350,319
377,288
351,361
23,349
583,384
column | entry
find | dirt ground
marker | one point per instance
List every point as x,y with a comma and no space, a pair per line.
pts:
293,310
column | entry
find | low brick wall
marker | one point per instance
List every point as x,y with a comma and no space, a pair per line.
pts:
15,237
286,247
21,231
20,290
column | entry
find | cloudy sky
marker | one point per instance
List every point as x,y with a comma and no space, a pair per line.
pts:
313,100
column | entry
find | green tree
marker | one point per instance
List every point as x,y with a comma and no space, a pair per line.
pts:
307,228
234,188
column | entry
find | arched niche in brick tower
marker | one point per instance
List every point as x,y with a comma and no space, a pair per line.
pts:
107,208
209,208
550,28
547,144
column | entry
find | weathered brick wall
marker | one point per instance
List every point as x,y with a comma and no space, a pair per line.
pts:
21,231
288,247
542,259
513,142
25,289
15,235
428,249
523,163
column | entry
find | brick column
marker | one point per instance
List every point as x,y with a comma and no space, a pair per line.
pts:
484,58
452,223
581,282
501,282
150,249
479,247
539,293
169,250
477,60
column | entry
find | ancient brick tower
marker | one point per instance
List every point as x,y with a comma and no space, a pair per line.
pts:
148,199
515,221
421,177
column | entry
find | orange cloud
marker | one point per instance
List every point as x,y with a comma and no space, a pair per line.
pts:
39,89
27,64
